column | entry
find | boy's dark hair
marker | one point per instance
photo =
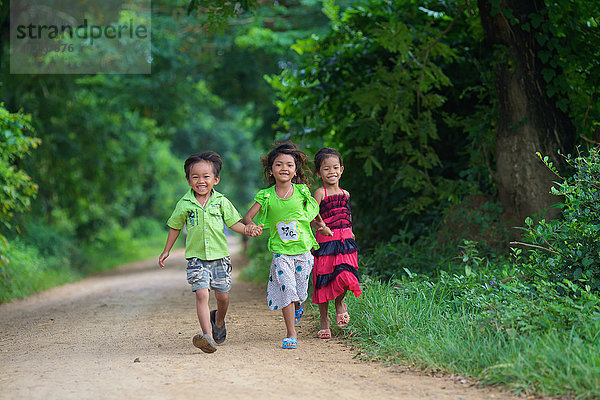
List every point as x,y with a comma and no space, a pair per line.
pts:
302,169
323,154
209,156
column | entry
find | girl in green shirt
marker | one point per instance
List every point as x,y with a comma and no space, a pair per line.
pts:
286,208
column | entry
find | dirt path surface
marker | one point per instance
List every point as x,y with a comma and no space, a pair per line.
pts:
127,335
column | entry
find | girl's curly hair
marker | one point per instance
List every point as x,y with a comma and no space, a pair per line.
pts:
287,147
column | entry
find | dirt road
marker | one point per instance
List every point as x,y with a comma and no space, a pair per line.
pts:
127,335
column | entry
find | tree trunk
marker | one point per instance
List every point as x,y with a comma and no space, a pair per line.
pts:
529,120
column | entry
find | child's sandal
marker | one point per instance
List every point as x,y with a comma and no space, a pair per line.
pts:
324,334
289,343
342,319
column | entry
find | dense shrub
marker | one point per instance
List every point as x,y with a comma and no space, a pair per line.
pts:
569,247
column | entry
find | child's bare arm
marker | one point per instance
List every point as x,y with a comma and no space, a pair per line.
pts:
318,224
247,220
171,238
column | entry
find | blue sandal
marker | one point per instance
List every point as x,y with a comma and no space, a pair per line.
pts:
289,343
298,314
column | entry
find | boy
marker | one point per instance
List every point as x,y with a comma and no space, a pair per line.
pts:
204,210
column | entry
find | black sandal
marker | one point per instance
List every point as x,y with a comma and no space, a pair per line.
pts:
219,334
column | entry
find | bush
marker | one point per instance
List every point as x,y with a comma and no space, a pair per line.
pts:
29,271
54,244
569,248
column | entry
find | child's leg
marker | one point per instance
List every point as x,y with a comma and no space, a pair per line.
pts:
222,306
202,310
288,317
339,304
323,309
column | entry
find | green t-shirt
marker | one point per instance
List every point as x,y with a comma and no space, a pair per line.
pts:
288,220
206,235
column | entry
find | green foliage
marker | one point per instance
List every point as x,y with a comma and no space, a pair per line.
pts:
403,255
568,248
568,31
567,35
387,87
530,323
17,189
30,272
484,320
113,145
500,291
218,12
377,88
470,231
47,256
115,245
40,260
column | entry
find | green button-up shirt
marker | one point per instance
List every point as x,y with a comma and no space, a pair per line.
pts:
206,234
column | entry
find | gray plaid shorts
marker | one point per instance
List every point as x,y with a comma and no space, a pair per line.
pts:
207,274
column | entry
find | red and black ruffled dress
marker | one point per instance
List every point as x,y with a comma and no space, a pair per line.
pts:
336,261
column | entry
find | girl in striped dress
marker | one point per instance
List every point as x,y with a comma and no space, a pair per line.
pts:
336,264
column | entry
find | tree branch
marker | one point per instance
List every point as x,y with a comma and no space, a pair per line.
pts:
535,246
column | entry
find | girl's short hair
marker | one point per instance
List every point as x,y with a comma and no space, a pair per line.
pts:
323,154
287,147
209,156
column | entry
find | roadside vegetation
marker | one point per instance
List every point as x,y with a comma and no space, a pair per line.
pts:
527,320
48,257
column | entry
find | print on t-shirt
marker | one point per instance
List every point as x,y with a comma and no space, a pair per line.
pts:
288,231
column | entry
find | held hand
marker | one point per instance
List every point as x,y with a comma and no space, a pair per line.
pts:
162,258
249,229
255,230
326,231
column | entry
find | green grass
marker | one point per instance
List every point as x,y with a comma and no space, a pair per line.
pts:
421,330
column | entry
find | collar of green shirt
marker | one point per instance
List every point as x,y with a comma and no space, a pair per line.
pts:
214,195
